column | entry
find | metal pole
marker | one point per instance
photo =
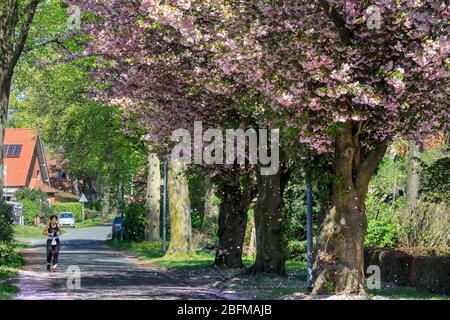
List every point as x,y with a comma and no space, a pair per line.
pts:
122,208
82,214
165,205
309,279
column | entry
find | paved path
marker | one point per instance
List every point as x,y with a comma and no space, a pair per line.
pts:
105,273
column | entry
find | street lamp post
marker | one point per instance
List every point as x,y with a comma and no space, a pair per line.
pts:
309,279
82,200
165,205
122,208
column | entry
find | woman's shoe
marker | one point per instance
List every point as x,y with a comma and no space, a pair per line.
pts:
48,267
54,268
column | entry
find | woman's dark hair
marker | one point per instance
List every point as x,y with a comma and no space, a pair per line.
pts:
54,216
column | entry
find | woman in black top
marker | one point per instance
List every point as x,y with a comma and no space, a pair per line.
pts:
53,232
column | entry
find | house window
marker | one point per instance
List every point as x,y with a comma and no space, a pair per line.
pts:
12,150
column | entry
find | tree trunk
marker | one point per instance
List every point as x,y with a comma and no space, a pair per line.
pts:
179,204
153,198
3,121
339,257
412,180
11,47
268,222
251,249
8,20
211,213
106,201
235,200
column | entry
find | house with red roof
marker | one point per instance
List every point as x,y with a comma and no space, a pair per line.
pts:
25,164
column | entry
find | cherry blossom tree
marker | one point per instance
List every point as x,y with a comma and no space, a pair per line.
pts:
347,75
350,85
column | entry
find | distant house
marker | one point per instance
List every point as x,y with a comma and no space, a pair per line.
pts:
25,163
60,178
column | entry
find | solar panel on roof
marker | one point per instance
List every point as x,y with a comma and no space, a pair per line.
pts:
12,150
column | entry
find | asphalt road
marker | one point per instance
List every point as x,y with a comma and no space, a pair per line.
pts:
103,273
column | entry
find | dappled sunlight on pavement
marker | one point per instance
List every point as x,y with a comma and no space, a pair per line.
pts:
104,273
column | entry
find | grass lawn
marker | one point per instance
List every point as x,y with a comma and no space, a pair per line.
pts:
28,232
257,287
7,290
406,293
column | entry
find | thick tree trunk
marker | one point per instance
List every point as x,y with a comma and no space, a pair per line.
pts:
153,198
339,261
268,223
412,180
340,245
180,211
235,201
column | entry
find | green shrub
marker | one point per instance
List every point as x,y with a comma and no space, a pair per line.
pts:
381,234
8,256
435,177
96,205
35,204
296,250
31,194
31,210
73,207
134,223
6,223
92,214
382,228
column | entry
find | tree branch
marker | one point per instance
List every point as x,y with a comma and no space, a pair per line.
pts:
20,44
369,165
344,32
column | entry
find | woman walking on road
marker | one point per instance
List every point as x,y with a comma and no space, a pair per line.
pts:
53,232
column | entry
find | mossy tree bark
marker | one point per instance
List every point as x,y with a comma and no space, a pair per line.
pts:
236,197
179,209
339,261
153,198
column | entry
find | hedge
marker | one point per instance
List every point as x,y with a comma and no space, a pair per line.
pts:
74,207
424,268
6,221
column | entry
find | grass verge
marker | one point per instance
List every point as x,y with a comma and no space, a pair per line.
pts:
406,293
256,287
10,262
28,232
